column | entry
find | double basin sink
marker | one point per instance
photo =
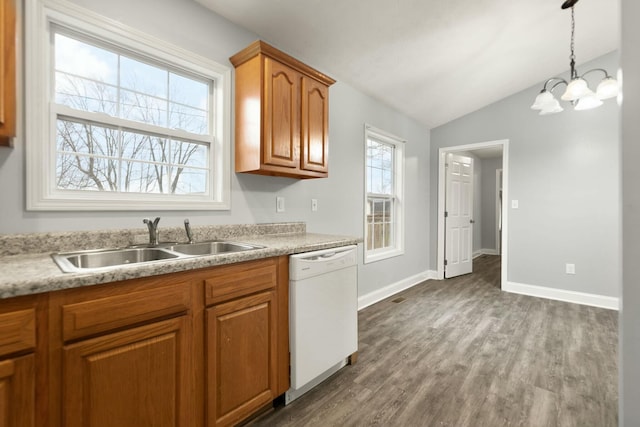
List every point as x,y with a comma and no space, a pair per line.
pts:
73,262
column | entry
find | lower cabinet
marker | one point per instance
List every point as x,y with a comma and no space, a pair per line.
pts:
20,340
241,355
132,378
207,347
17,391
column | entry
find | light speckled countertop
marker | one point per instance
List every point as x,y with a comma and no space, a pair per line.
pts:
30,273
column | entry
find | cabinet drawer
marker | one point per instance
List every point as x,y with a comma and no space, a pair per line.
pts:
234,281
17,331
116,311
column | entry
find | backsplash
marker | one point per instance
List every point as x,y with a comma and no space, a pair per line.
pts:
19,244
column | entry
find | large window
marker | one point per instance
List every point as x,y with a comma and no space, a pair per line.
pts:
127,122
384,191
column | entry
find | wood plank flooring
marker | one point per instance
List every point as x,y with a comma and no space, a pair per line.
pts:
460,352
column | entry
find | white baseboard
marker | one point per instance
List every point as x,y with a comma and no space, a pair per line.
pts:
392,289
611,303
479,252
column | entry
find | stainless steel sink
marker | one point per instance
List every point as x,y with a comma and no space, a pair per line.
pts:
210,248
89,260
103,259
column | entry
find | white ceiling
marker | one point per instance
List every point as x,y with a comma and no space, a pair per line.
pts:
435,60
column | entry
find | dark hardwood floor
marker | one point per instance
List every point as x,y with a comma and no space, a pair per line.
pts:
460,352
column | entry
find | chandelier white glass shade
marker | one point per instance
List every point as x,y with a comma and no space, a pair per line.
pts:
577,90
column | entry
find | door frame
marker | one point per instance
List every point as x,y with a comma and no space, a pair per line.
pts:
442,153
499,181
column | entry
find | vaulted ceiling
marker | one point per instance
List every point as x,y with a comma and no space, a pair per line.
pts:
434,60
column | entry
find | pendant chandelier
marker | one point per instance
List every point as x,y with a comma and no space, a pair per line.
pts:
577,90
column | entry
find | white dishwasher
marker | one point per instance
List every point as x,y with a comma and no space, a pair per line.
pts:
323,315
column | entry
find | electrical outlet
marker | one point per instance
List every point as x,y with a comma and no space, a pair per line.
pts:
314,205
514,204
279,204
570,269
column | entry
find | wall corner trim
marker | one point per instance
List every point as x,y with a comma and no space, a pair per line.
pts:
392,289
611,303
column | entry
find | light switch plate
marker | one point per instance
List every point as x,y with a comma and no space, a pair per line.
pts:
514,204
570,269
279,204
314,205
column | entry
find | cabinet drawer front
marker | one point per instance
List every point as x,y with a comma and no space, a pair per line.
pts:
238,280
17,331
105,314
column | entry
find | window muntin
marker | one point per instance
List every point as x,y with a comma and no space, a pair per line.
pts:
96,156
161,144
383,204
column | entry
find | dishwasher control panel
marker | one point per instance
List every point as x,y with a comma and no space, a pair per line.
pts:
311,264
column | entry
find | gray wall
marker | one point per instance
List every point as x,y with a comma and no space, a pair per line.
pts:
629,333
488,201
340,197
564,170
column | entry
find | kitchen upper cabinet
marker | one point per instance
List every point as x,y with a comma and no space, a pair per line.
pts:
315,126
7,71
281,145
281,113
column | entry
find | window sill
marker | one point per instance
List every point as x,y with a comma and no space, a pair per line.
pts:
382,255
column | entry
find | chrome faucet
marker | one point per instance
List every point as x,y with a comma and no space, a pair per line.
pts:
187,229
153,230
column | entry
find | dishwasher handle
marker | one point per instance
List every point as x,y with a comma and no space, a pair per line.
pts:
311,264
329,256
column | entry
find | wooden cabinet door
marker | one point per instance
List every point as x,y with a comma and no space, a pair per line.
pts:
315,126
281,136
7,71
241,357
17,392
132,378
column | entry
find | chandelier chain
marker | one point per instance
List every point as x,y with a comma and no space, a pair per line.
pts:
572,57
577,91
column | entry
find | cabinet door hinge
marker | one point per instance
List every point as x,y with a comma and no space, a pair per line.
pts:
445,262
446,214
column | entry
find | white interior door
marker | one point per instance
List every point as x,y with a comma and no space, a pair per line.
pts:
458,215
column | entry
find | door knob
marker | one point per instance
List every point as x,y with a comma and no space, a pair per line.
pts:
471,221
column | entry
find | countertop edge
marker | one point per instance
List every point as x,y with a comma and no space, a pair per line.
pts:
37,273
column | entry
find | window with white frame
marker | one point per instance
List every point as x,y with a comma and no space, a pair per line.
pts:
119,120
384,219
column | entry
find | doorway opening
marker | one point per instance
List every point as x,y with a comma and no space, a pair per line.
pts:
483,149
